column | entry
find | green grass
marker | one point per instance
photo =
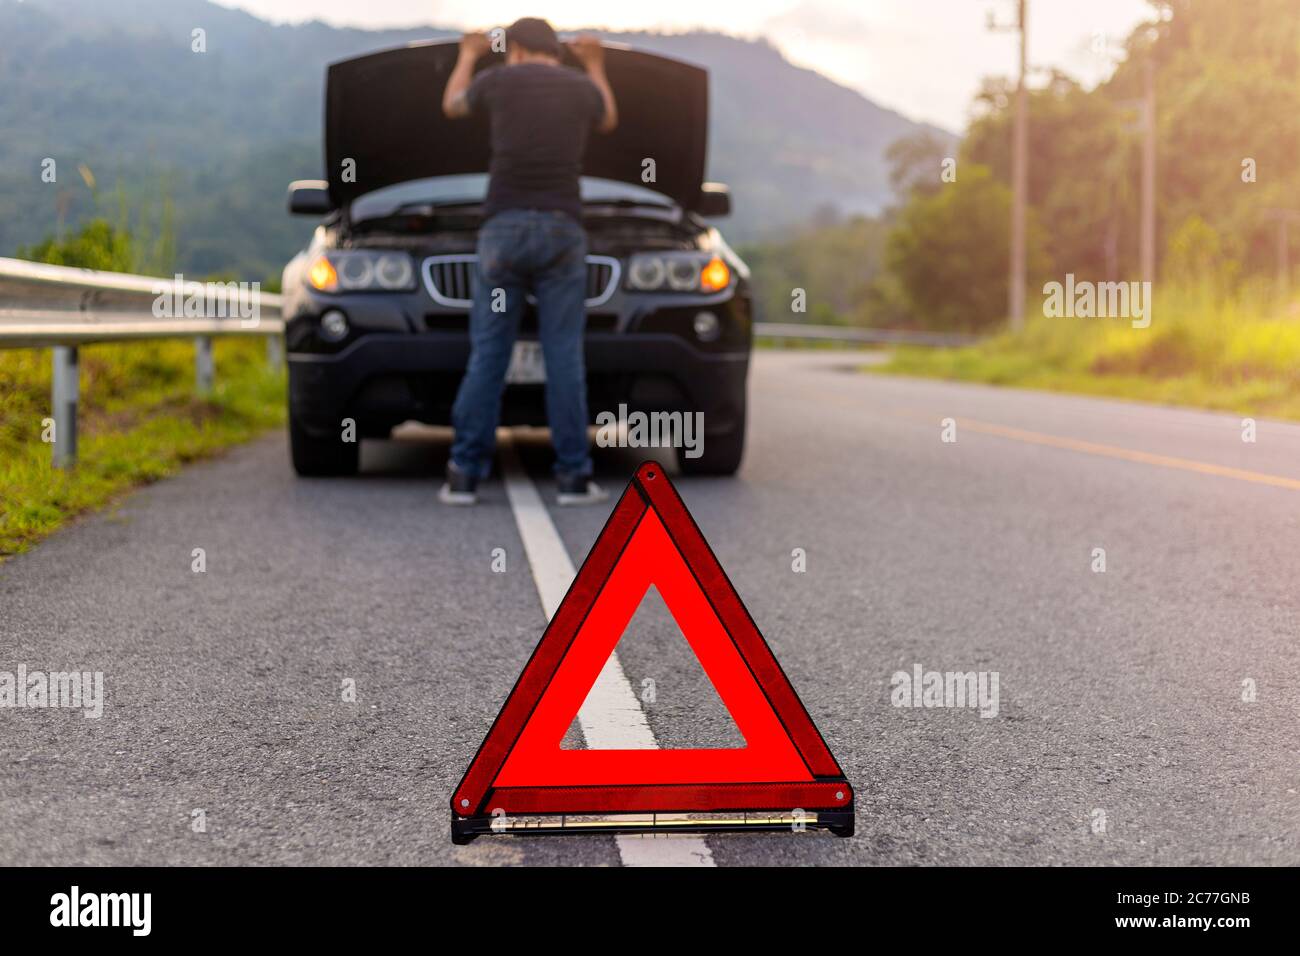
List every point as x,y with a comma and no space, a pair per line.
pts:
1239,354
139,421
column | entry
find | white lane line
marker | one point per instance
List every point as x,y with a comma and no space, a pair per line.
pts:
611,717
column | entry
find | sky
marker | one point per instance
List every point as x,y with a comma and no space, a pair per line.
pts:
924,58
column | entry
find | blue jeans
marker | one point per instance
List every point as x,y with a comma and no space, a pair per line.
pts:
522,251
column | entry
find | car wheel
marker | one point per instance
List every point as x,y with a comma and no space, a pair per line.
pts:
321,457
721,455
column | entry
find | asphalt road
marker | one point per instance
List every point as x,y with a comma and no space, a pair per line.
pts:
1120,693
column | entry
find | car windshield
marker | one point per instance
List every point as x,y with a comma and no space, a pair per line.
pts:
472,188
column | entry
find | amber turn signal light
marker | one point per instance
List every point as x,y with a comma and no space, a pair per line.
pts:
322,275
715,276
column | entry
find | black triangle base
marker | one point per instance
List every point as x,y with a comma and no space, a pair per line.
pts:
838,822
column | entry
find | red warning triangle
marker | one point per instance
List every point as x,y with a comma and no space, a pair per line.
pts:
522,768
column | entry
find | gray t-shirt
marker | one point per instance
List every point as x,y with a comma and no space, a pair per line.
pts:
540,117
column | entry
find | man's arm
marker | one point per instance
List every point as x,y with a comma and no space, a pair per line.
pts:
454,101
588,51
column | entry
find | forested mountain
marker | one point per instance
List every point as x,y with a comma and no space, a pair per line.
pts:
202,145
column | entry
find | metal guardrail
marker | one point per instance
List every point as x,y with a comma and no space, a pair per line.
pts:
856,335
44,305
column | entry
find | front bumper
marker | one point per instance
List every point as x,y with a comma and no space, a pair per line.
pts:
383,378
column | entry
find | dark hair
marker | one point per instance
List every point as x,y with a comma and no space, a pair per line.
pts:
534,34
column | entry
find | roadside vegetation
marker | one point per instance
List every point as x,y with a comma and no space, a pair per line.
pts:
140,418
1225,332
1240,354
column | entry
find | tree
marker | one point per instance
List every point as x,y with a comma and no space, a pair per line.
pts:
915,164
98,246
949,253
833,265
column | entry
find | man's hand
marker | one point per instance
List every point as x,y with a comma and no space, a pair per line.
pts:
473,47
587,50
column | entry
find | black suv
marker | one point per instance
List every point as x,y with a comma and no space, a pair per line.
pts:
376,307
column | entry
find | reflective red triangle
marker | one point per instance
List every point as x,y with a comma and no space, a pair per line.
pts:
651,538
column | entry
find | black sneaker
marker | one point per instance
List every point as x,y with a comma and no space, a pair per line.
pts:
579,490
460,488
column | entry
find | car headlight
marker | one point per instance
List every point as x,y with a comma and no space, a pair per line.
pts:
677,272
362,270
646,272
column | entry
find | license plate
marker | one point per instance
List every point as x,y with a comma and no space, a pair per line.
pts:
526,365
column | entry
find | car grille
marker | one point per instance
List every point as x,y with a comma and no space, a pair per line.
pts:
449,279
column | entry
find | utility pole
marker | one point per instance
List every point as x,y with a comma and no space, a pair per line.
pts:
1019,170
1147,238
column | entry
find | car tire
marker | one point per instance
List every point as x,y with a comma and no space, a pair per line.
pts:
721,454
315,457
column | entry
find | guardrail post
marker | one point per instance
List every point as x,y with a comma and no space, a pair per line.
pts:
204,369
275,351
66,390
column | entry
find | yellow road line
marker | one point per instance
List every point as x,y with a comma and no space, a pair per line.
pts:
1128,454
1074,444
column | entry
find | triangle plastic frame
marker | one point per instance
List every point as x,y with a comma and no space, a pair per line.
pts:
784,778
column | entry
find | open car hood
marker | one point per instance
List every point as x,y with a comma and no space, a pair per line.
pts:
384,111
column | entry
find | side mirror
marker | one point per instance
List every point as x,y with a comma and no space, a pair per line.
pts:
715,201
310,197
